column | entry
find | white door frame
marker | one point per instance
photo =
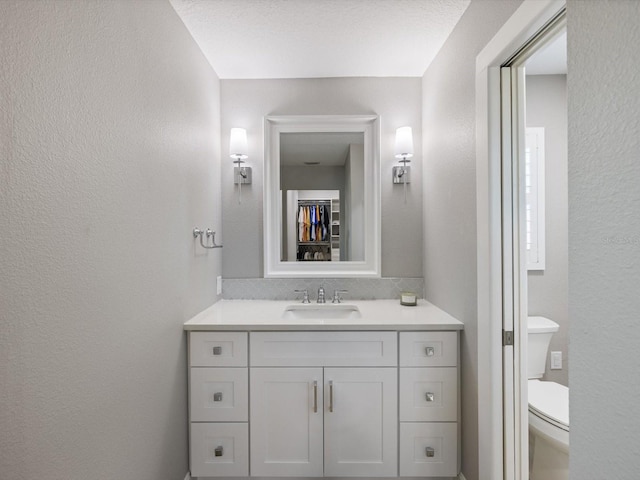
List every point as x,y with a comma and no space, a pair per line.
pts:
494,301
514,281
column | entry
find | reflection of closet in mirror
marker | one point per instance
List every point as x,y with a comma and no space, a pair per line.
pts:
311,230
314,231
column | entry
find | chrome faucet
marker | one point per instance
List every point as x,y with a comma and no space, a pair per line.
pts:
321,295
305,295
336,296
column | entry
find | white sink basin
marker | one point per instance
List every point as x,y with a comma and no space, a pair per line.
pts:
320,311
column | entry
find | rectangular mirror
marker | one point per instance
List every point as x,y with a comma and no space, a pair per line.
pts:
322,196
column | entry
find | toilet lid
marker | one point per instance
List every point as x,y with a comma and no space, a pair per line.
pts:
541,325
550,401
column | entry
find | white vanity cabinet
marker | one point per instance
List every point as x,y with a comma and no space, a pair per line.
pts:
324,404
338,418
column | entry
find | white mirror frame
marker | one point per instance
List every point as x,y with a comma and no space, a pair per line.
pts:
274,267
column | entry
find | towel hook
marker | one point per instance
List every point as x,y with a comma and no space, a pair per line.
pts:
209,233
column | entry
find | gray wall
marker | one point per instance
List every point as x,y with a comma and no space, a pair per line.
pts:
450,193
109,121
352,226
604,237
244,103
546,103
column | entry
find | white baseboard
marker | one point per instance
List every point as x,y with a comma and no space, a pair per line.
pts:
460,477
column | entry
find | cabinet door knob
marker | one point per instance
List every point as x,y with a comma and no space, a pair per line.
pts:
430,452
429,397
217,397
218,452
430,351
217,350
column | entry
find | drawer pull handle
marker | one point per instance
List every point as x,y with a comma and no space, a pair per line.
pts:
430,452
331,396
217,397
218,452
430,351
429,397
217,350
315,397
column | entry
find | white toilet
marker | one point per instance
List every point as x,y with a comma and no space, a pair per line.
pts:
548,408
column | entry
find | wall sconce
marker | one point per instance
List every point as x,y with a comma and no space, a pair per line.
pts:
238,151
403,152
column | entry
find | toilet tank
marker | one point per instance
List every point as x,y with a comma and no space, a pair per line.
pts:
539,333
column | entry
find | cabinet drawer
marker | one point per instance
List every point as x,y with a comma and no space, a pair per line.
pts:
428,449
218,349
332,349
429,394
219,450
428,349
219,394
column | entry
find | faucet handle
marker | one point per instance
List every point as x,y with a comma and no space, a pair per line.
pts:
321,295
336,296
305,295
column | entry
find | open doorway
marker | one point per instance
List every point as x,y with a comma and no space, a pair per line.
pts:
535,267
503,226
546,245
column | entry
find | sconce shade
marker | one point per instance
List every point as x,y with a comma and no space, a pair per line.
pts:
238,144
404,143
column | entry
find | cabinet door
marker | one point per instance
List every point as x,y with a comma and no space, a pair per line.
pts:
286,422
361,422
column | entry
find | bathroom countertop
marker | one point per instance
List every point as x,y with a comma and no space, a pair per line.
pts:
268,315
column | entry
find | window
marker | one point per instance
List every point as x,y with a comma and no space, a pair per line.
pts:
534,188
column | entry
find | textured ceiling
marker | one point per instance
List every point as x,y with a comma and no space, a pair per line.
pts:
320,38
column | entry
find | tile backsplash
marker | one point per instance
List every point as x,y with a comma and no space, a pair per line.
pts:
283,288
